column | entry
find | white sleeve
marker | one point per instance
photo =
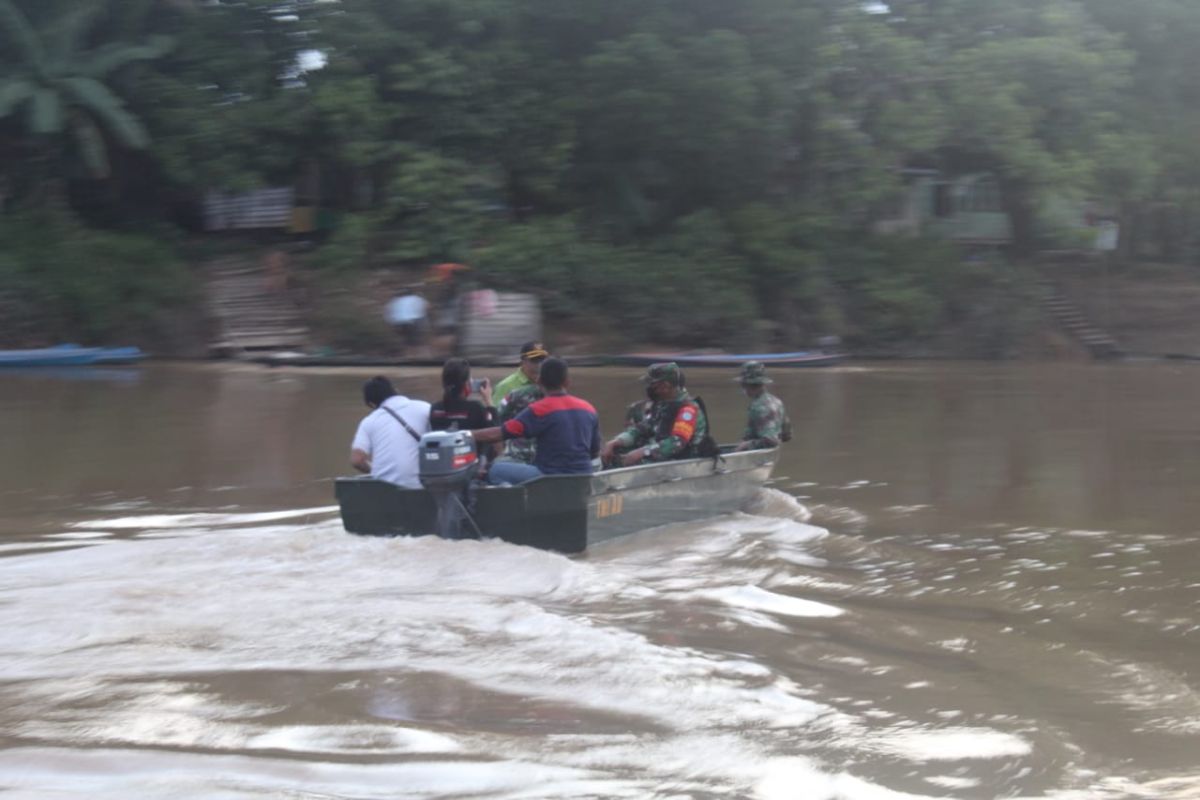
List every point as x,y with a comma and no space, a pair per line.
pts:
424,426
361,440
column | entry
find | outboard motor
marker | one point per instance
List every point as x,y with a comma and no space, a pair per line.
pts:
448,467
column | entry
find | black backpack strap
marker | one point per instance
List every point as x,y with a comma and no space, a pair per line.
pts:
707,447
407,427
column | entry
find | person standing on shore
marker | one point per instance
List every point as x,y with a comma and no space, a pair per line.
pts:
406,314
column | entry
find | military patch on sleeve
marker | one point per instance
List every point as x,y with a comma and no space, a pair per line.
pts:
685,423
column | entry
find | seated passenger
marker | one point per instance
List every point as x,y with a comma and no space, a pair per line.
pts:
520,449
386,443
637,411
565,428
767,422
456,411
532,355
673,428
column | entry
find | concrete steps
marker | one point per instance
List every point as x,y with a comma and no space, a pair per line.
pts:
249,314
1068,317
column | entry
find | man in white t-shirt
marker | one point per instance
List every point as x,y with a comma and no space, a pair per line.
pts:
385,445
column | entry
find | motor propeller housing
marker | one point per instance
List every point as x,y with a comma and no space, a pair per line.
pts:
448,465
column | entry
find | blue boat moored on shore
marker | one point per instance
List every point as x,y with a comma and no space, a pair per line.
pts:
70,355
816,358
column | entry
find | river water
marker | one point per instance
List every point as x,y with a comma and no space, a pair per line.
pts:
969,581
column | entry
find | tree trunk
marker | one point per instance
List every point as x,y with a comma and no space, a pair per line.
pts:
1019,205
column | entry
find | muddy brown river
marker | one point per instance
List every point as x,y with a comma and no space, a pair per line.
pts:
967,581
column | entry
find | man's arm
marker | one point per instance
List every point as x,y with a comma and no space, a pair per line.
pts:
625,439
520,426
360,449
682,431
764,428
488,435
597,442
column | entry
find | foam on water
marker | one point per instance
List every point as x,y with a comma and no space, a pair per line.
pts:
952,744
787,779
316,599
758,599
99,773
774,503
205,520
607,676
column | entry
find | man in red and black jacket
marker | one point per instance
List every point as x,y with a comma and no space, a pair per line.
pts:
566,429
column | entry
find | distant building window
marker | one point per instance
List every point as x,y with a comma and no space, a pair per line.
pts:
943,200
895,207
982,195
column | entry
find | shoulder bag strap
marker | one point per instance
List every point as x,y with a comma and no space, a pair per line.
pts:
407,427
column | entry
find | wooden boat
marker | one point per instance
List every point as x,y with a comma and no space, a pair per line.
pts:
69,355
797,359
119,355
49,357
497,362
569,513
301,360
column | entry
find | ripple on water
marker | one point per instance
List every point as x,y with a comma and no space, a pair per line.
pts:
482,668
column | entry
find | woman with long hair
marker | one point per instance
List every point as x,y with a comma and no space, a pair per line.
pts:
456,411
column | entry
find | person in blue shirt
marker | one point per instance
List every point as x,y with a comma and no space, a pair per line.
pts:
566,429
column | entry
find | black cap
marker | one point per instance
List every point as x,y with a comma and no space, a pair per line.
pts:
533,351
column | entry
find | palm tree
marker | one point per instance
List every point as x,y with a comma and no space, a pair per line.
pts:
60,86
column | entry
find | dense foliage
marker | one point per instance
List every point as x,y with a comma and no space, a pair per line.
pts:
682,170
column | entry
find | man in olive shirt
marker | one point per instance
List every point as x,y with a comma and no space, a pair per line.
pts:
532,356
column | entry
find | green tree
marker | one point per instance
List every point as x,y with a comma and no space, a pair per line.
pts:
1028,89
1155,171
60,85
230,107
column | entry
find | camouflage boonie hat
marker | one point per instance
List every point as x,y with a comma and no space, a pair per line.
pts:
665,371
754,373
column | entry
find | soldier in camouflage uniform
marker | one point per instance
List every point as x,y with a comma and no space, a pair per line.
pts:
671,428
522,450
767,424
639,410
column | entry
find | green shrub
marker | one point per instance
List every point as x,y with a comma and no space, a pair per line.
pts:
349,248
681,288
75,283
342,325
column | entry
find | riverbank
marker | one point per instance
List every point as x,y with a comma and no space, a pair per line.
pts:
1149,309
960,310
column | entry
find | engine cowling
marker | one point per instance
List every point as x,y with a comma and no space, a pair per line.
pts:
448,459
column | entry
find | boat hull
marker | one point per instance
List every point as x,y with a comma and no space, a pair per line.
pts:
569,513
48,357
800,359
69,355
